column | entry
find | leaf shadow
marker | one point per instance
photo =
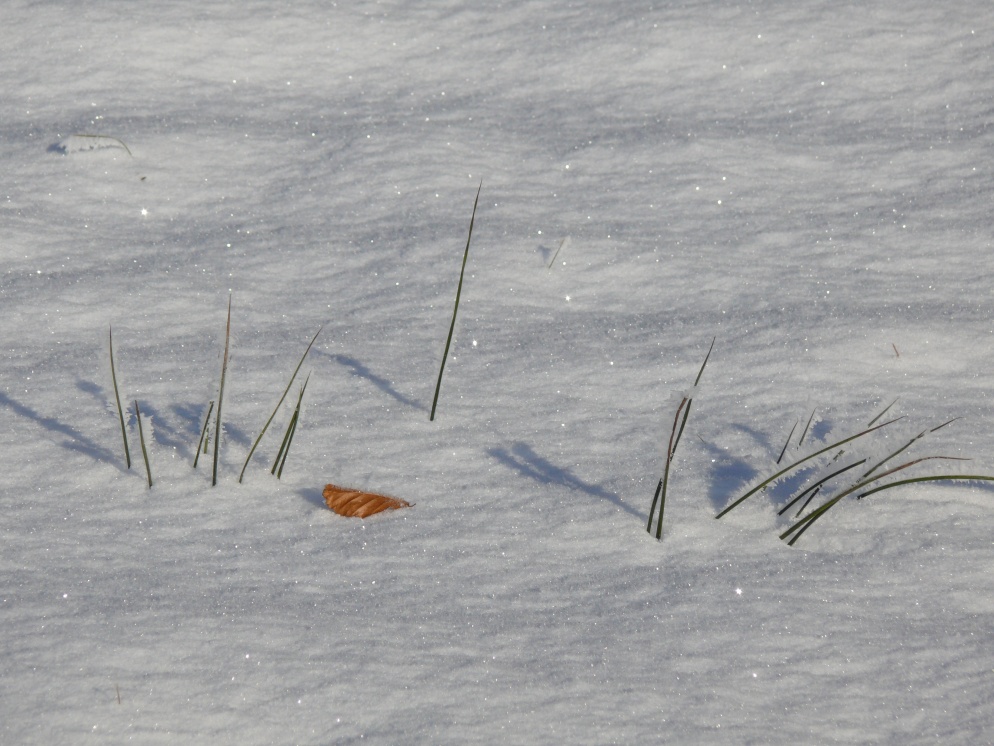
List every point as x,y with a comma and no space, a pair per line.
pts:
314,496
523,459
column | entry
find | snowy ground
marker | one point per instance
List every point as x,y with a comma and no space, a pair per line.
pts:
808,182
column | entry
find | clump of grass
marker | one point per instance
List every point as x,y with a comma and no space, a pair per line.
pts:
452,326
141,438
278,405
864,485
800,462
288,437
678,426
117,398
220,396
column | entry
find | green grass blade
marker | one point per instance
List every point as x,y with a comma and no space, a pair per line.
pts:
203,435
885,411
690,401
290,430
799,462
278,405
117,398
141,439
220,396
787,443
817,486
933,478
452,326
666,469
807,427
652,510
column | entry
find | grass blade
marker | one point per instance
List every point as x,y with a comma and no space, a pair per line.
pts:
933,478
652,510
561,244
885,411
807,427
220,396
203,435
117,398
799,462
675,434
278,405
784,450
813,489
452,327
141,438
290,430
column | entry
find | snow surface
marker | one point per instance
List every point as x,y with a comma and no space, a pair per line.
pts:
809,182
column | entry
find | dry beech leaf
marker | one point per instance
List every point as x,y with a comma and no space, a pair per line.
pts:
357,504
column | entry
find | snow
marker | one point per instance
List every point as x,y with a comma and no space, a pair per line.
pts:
810,184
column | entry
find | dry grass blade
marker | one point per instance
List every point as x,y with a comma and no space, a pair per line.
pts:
358,504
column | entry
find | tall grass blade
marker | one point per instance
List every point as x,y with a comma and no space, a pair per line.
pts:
117,398
220,396
791,467
278,404
202,443
141,439
452,326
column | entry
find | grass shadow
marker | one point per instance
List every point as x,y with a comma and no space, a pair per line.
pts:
523,459
360,370
75,440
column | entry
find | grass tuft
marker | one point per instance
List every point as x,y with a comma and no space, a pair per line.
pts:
675,434
452,326
278,405
787,469
117,398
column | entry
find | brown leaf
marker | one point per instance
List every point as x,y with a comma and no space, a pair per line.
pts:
357,504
